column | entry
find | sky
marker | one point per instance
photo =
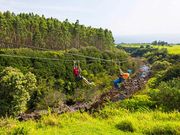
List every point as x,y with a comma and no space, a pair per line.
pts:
129,20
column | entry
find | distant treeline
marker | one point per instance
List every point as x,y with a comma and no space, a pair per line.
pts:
32,29
137,51
159,42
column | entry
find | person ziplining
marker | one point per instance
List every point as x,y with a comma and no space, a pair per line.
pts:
122,77
77,73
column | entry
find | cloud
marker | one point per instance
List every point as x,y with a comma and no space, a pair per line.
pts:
123,17
149,17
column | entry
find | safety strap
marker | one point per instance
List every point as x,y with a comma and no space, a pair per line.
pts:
119,65
120,70
74,63
78,62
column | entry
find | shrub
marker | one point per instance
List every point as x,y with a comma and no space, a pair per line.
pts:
163,130
148,46
20,131
137,103
152,82
15,90
84,73
160,65
156,54
142,46
50,98
126,125
167,95
50,120
173,72
110,110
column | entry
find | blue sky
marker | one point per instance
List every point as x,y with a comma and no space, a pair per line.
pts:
123,17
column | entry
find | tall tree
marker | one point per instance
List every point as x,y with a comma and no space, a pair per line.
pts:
32,29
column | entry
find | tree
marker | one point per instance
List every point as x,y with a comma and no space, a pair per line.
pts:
159,42
66,37
100,38
76,34
15,90
154,42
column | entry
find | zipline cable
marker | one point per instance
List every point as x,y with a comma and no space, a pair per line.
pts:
28,57
73,54
40,58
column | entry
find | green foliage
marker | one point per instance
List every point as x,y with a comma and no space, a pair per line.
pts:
47,97
166,73
163,130
50,120
142,46
137,103
171,73
123,122
167,95
15,90
20,131
159,43
126,126
141,51
165,68
152,82
148,46
169,54
172,49
111,110
160,66
157,55
57,76
33,30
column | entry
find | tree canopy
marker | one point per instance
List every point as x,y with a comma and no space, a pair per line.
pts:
34,30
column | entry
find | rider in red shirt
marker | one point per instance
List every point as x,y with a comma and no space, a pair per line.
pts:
77,74
76,71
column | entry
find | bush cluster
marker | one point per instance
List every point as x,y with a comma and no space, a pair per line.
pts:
15,90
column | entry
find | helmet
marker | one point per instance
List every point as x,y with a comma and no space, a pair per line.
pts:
129,71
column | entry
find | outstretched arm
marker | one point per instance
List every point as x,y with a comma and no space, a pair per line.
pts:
74,64
120,71
79,67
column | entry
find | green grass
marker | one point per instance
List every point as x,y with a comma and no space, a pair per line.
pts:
110,121
175,49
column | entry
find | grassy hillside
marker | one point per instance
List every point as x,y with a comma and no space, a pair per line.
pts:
175,49
111,120
172,49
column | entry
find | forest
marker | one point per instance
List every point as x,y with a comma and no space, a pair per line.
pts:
40,95
33,30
